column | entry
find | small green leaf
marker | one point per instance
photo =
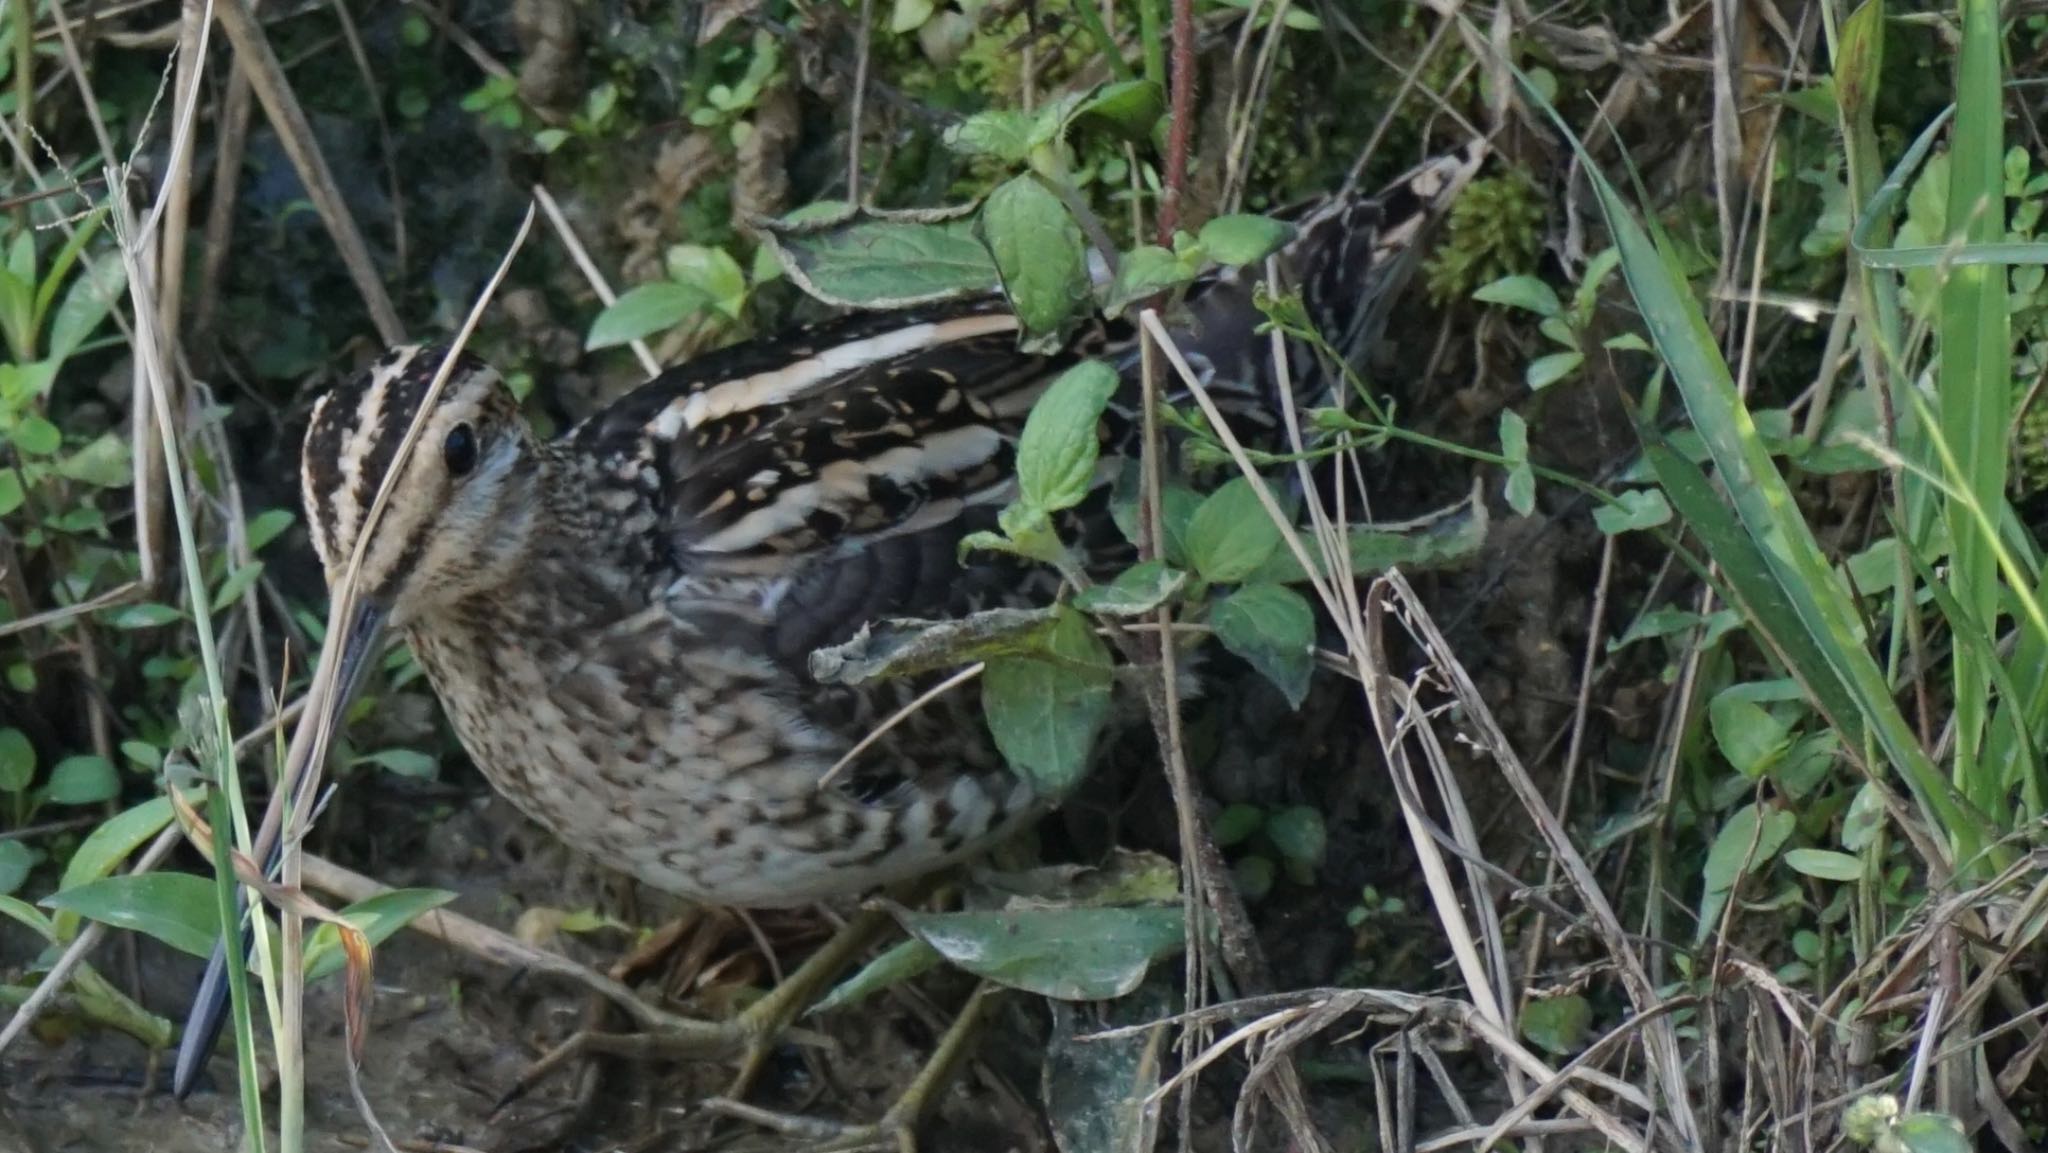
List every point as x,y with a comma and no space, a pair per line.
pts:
36,436
1825,864
1865,819
17,761
648,309
404,762
16,859
1637,508
1145,270
1524,292
145,616
1557,1024
910,15
1243,238
1130,108
238,582
1057,450
1045,709
1929,1133
1750,736
1001,133
1136,591
1299,834
175,908
867,262
1748,840
711,271
114,840
266,526
908,959
1070,954
377,918
1520,490
11,494
103,463
1039,251
1273,628
85,305
1545,371
83,780
1230,535
1236,824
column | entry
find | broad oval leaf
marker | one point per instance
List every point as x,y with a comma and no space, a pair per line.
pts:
1144,271
1272,627
1545,371
1136,591
1244,238
175,908
1637,508
1040,253
1045,709
86,779
107,846
1057,450
16,859
17,761
1000,133
642,311
866,262
1129,107
1558,1024
1230,535
1073,954
1825,864
1750,736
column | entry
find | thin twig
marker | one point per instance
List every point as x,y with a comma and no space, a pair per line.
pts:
1181,129
591,274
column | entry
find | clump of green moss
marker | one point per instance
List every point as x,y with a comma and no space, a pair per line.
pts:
1495,229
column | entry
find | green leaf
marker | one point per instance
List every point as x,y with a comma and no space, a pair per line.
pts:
16,859
908,959
1230,535
1130,108
238,582
1244,238
404,762
11,495
104,463
1039,251
1748,840
377,918
113,840
17,761
711,271
1236,824
1825,864
1145,270
1299,834
1545,371
1929,1133
86,304
1076,954
1557,1024
1750,736
867,262
1520,490
83,780
175,908
1000,133
1637,508
910,15
1057,450
1524,292
1273,628
1136,591
266,526
145,616
36,436
648,309
1865,819
1045,709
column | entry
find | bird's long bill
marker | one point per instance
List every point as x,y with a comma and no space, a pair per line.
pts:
353,646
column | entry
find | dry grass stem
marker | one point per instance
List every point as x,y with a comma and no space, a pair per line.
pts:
591,274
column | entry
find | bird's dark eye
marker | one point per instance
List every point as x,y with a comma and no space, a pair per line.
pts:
459,450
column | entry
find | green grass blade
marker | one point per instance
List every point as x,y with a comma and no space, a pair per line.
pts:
1974,374
1762,502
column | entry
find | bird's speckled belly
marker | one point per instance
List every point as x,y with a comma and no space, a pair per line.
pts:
705,785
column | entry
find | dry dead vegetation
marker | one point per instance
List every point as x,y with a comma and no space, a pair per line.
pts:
1633,807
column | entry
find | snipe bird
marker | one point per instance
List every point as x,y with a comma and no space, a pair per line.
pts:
618,621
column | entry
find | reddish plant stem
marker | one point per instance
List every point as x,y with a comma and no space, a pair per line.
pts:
1183,114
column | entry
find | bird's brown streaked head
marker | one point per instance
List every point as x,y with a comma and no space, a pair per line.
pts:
459,511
